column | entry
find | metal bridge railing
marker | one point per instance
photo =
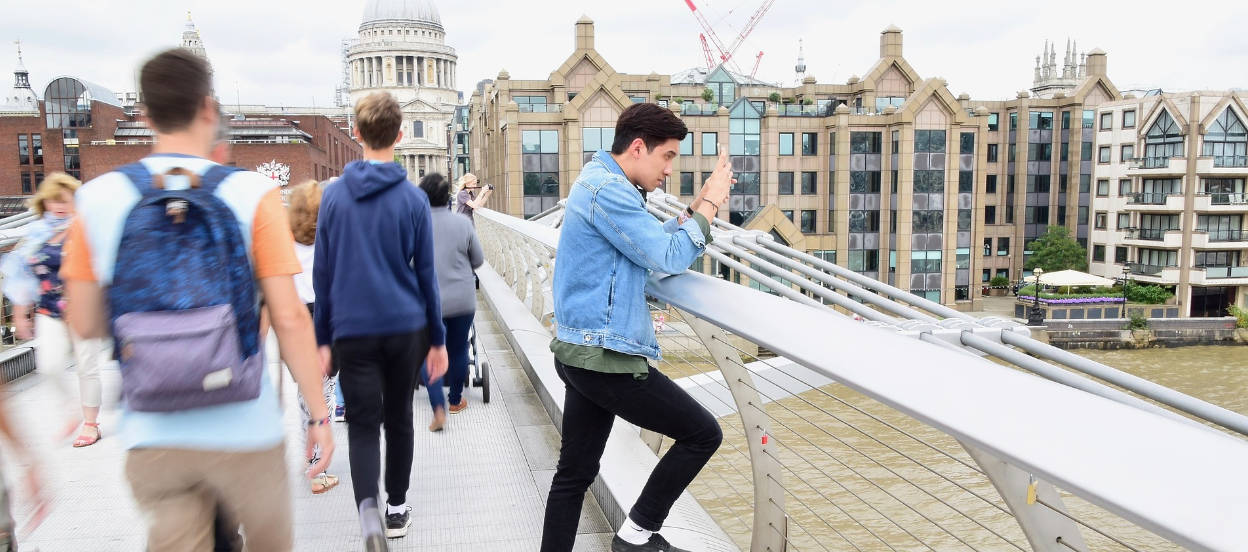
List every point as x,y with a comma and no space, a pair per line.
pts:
917,428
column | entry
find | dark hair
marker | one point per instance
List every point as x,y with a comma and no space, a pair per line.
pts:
173,86
378,118
437,188
653,124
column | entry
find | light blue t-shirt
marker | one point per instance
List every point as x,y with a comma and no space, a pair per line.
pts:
103,204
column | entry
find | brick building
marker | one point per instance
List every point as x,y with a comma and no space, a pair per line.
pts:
83,129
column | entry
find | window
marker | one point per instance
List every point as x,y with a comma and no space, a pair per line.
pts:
36,149
1085,151
987,248
686,183
786,184
1157,257
808,221
1004,273
786,143
1036,215
1088,117
927,222
1102,220
865,182
1127,153
1009,214
1009,188
1124,221
867,260
710,143
23,149
1040,120
1013,120
1102,155
1102,188
1163,141
994,121
1038,183
1065,154
832,143
1107,120
1124,187
925,262
1128,118
594,139
1065,120
990,214
987,275
966,182
810,143
1039,152
896,135
831,221
418,129
864,221
540,162
864,142
1083,215
810,182
1098,253
1085,182
686,145
1012,149
1226,141
788,213
932,141
992,153
1120,254
990,186
27,187
1003,247
723,87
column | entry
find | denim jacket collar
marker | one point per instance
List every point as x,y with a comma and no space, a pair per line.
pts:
604,157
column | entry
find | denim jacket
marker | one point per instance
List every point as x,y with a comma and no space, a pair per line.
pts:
608,246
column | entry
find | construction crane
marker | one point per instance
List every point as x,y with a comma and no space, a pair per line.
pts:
757,60
725,53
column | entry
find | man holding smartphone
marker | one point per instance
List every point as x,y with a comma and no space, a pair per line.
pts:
605,340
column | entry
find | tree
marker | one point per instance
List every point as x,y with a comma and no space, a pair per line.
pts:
774,97
708,94
1057,250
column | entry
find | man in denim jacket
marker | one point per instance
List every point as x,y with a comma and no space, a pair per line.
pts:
608,246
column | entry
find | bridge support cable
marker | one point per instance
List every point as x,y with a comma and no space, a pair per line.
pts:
880,464
1058,375
732,357
1201,409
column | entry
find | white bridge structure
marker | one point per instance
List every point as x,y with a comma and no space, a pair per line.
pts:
858,416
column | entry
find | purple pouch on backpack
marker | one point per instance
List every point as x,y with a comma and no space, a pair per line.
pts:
175,360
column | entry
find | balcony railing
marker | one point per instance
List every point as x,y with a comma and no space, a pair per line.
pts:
1150,162
1226,272
1225,235
1151,234
792,110
541,108
697,109
1147,269
834,438
1151,198
1230,161
1228,198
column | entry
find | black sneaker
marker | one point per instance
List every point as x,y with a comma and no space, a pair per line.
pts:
656,544
397,524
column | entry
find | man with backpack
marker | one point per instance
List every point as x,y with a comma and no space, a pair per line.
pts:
170,256
378,309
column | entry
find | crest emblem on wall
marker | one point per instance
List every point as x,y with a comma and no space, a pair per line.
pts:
279,172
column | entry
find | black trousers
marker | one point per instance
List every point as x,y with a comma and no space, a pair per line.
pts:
592,400
378,376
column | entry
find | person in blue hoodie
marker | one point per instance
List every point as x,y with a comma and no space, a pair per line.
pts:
377,308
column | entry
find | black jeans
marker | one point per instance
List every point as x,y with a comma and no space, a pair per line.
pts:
592,401
378,376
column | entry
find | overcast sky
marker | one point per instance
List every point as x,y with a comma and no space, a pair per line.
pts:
286,52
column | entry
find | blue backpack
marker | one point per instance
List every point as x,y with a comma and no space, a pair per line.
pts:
183,302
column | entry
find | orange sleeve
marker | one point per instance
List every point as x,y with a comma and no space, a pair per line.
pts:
76,261
272,244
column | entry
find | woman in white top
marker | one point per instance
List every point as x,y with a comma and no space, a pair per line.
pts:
305,203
